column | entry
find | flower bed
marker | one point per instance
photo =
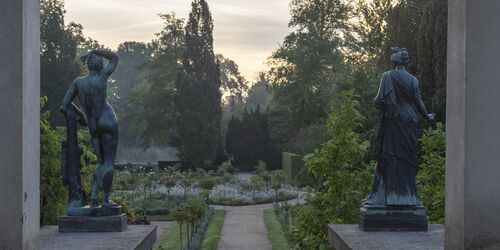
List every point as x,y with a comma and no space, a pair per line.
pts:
236,195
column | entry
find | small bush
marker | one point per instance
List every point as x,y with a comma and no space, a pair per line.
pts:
430,178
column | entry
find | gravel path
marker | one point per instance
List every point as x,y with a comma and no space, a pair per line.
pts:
244,228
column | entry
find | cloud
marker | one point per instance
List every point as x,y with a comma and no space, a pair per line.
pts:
245,31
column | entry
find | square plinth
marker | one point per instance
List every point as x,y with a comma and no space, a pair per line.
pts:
115,223
351,237
382,218
135,237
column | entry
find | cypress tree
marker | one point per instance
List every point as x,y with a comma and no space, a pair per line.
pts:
198,97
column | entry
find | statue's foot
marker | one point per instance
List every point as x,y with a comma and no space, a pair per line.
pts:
94,203
109,204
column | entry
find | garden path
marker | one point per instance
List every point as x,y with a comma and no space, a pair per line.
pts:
244,228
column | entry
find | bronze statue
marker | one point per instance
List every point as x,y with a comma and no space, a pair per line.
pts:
100,118
394,196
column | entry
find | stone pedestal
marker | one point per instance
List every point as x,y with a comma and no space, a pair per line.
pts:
135,237
473,125
382,218
94,211
20,123
351,237
93,219
115,223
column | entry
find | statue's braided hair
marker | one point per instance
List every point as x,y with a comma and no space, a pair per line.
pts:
400,56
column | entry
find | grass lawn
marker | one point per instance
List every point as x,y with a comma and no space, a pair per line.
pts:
214,230
275,231
161,217
171,239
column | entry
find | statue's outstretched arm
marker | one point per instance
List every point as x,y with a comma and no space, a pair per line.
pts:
113,60
421,106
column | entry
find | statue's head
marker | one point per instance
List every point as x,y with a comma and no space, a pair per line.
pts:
93,62
400,56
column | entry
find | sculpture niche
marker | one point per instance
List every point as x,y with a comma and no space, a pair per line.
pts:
101,120
393,204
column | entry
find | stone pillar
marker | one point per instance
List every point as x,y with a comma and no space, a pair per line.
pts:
19,124
473,125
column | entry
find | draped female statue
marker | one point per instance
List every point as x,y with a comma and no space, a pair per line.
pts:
398,101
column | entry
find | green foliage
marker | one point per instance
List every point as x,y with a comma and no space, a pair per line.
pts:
194,214
88,162
259,94
58,49
197,100
341,182
420,26
430,178
431,55
278,178
304,69
131,216
180,238
130,73
53,194
234,86
207,183
248,139
149,110
345,146
169,181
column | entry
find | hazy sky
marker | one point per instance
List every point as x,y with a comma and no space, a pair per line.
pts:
246,31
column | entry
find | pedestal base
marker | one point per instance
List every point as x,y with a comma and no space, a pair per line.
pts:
386,218
115,223
351,237
94,211
135,237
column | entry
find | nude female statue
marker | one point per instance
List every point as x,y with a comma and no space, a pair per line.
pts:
101,119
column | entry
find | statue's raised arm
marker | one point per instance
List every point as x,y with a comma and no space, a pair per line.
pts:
111,56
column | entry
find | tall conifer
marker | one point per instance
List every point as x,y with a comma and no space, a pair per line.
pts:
198,98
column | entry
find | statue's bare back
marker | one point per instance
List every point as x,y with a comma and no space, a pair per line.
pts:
92,91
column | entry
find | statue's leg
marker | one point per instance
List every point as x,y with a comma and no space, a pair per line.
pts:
97,176
110,143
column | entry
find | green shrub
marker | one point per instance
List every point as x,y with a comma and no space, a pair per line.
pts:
53,194
131,216
343,182
430,178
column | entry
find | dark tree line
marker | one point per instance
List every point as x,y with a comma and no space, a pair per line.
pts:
248,139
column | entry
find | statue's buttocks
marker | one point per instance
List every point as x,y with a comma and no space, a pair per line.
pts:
92,91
